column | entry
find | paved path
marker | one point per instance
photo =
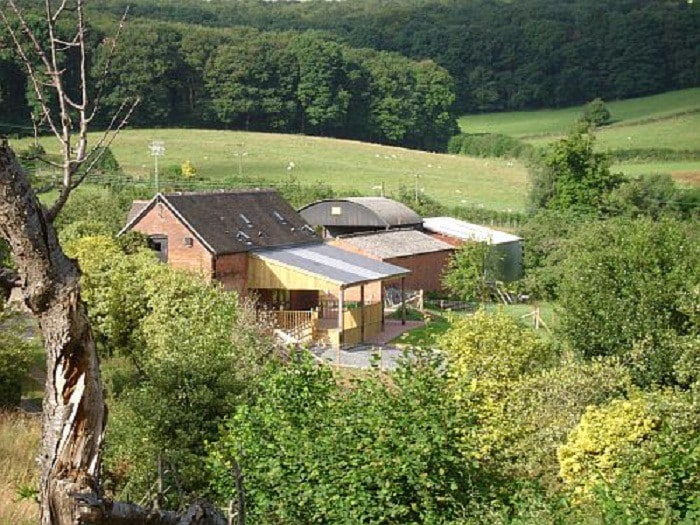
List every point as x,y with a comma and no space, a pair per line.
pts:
375,350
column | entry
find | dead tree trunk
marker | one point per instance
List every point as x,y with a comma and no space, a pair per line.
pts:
74,414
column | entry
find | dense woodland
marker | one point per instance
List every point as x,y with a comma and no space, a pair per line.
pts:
502,55
391,72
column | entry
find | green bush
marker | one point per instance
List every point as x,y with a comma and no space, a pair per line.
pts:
489,145
637,460
14,360
312,451
596,113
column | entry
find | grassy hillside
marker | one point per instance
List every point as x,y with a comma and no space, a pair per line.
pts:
670,121
345,165
553,122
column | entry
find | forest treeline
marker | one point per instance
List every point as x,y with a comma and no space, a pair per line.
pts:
502,55
243,78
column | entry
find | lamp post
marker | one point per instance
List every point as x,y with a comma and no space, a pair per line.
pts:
157,148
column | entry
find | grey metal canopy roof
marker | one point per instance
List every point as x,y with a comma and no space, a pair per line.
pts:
332,264
395,243
360,211
467,231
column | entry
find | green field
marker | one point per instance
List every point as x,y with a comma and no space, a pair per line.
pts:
554,122
346,165
670,120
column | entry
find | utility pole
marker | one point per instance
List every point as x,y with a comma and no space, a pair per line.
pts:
157,148
240,154
415,190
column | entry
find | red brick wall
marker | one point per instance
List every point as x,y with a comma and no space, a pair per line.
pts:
232,271
426,270
161,221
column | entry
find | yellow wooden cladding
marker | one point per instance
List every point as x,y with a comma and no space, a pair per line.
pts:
267,274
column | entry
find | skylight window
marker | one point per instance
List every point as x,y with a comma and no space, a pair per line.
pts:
246,220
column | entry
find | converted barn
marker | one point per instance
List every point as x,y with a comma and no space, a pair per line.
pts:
359,214
254,242
422,254
507,248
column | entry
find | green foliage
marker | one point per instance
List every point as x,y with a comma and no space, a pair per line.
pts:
654,196
469,270
539,410
490,145
103,162
92,212
596,113
627,287
15,359
572,177
188,351
638,460
312,451
545,235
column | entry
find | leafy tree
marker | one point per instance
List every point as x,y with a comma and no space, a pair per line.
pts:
315,451
191,350
322,90
573,177
253,84
654,196
625,283
188,170
469,270
595,113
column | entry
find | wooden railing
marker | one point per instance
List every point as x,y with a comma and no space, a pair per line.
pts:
290,319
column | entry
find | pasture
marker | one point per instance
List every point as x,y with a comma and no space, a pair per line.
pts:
666,121
345,165
555,122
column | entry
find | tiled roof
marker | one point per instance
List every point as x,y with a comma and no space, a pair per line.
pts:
237,220
396,243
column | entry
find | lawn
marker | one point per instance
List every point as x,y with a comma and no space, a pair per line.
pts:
345,165
439,322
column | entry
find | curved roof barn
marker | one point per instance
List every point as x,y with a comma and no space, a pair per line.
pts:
353,214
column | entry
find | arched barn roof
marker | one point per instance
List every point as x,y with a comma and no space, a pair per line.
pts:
360,212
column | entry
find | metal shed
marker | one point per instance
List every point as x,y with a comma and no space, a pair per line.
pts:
506,247
359,214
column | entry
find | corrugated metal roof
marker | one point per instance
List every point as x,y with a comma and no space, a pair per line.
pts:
360,211
467,231
333,264
396,243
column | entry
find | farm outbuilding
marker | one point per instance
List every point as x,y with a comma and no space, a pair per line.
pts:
359,214
422,254
254,242
507,248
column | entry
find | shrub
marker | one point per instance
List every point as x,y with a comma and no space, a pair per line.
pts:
489,145
312,451
638,460
14,360
596,113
